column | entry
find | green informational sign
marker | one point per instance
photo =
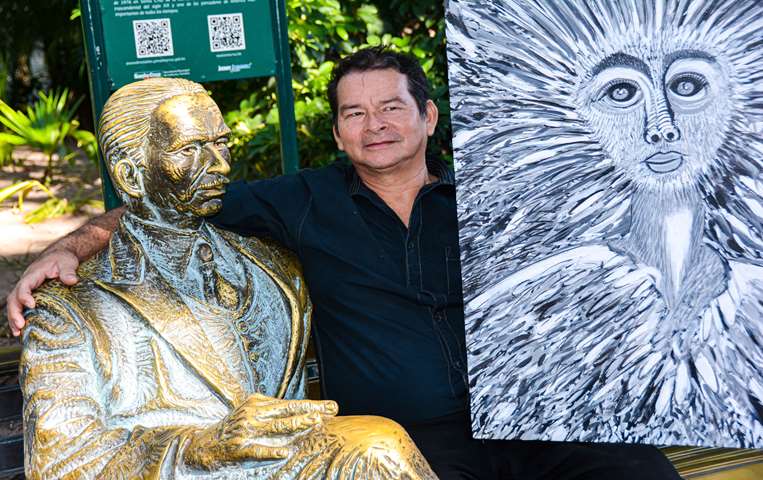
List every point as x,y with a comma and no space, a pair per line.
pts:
201,39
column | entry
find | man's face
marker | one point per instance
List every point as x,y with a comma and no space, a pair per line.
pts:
187,157
378,123
661,117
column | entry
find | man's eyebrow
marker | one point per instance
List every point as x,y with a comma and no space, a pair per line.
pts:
351,106
392,100
621,60
395,99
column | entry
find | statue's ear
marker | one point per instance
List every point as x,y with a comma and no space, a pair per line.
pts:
128,177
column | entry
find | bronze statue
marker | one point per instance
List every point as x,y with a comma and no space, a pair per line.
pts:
180,352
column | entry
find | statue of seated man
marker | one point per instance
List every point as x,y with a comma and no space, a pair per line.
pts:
180,352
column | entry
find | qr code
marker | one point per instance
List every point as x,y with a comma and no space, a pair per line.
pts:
153,38
226,32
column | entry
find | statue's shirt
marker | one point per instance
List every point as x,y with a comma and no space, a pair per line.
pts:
198,263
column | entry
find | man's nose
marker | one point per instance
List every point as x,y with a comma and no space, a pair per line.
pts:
218,162
660,125
374,123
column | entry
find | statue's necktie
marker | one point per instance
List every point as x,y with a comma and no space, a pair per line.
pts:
217,289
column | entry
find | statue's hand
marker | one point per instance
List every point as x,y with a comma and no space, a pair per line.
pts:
261,428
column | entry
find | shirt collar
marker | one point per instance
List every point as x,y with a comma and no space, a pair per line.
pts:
170,248
435,167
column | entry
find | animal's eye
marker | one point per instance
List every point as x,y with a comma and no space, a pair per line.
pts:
688,85
620,94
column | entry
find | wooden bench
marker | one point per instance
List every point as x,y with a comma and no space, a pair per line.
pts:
716,463
11,440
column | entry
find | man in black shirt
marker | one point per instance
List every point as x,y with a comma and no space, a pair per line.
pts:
378,241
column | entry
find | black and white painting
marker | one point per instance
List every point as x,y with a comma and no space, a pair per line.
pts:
608,160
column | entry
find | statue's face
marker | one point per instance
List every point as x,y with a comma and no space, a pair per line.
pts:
187,156
660,117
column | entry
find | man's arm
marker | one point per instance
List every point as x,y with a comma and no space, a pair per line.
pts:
271,208
60,260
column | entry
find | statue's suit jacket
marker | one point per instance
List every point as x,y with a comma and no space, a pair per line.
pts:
117,372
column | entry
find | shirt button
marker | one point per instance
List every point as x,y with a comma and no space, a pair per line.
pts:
205,252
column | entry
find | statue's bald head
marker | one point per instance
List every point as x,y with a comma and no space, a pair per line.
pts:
126,121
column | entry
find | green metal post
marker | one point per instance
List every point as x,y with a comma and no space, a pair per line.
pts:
99,87
288,123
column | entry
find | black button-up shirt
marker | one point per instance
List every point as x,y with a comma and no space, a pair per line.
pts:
388,323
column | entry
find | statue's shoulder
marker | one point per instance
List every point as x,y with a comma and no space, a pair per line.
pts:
55,299
273,254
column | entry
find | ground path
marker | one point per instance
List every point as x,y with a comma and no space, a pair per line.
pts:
20,242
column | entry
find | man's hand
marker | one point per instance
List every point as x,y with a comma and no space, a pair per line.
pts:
61,260
261,428
61,264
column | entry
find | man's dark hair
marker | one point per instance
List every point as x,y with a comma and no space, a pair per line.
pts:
381,58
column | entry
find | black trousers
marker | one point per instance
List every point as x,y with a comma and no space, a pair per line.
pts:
454,455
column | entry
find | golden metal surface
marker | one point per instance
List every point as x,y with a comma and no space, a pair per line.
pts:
180,352
716,463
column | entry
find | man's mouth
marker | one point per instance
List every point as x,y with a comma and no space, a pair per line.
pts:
381,144
664,162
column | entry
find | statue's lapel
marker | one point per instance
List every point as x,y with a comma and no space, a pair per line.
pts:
142,287
285,273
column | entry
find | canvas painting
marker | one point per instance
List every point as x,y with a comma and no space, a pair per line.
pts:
608,159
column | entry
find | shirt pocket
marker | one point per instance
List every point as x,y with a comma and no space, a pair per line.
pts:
453,269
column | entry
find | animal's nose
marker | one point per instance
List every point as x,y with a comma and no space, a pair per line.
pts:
659,123
668,132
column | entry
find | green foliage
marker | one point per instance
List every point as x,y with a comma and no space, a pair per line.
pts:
40,28
56,206
49,126
53,207
46,125
321,32
21,190
8,142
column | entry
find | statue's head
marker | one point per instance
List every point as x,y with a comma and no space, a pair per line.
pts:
164,141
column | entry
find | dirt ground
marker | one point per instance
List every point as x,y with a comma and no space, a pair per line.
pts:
21,243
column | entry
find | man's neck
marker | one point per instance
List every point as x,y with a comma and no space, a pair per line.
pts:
397,186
